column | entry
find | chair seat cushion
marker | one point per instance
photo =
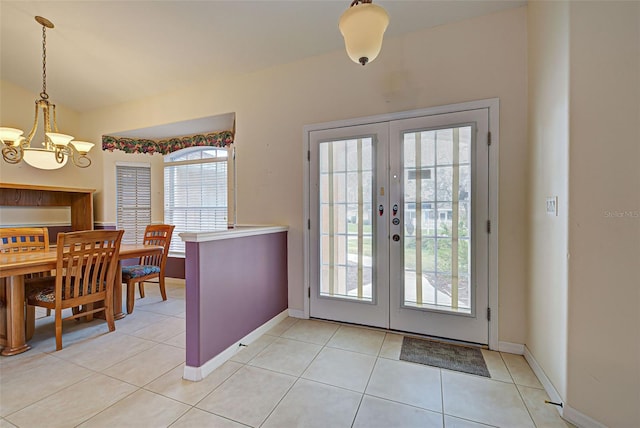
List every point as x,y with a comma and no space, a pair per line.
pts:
45,294
136,271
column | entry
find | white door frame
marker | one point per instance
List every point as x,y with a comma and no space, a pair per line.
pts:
493,104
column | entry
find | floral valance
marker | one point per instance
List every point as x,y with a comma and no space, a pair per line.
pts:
136,145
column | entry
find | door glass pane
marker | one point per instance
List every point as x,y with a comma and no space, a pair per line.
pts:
346,219
437,219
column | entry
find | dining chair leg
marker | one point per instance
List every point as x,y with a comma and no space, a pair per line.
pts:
131,296
58,330
30,321
163,291
141,289
108,312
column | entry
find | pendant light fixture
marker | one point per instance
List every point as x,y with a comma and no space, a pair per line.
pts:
362,26
56,148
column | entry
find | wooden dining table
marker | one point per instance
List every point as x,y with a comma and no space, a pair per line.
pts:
13,267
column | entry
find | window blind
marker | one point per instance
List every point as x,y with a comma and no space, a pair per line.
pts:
133,201
195,195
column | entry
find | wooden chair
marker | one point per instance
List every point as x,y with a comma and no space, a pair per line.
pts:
23,240
148,267
87,263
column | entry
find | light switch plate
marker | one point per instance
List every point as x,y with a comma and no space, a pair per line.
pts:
552,205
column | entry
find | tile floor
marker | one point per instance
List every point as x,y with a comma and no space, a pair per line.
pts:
302,373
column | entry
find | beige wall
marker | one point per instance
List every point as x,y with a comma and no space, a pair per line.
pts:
548,37
604,223
475,59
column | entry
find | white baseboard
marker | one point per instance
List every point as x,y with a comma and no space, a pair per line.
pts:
296,313
511,348
580,419
544,380
196,374
567,412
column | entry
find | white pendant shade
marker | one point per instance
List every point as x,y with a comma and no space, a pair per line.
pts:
82,146
59,139
363,27
42,159
10,135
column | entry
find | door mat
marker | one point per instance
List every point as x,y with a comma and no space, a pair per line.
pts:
444,355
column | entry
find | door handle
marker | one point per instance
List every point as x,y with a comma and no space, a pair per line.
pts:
396,237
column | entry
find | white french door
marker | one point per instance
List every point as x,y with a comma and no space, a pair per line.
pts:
398,214
349,237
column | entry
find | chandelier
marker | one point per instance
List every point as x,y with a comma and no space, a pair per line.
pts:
362,26
56,148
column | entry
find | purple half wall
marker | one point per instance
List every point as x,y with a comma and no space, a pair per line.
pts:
233,286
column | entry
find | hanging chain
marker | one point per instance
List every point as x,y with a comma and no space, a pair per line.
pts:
44,94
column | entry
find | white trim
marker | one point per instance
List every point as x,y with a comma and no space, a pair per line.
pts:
38,224
580,419
134,164
493,104
511,348
297,313
544,380
306,217
494,127
196,374
237,232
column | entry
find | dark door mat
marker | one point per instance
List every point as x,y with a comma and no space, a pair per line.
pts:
444,355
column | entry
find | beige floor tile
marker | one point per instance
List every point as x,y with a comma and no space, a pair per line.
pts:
497,369
138,320
286,356
391,346
452,422
543,414
148,365
345,369
282,326
245,354
520,370
73,332
406,383
378,413
172,384
357,340
34,379
162,330
104,351
248,396
166,307
6,424
74,404
483,400
179,340
310,404
196,418
312,331
141,409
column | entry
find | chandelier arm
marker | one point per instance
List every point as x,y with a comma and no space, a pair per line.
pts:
34,128
81,160
55,121
12,154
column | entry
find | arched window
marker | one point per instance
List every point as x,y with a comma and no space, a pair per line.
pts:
196,191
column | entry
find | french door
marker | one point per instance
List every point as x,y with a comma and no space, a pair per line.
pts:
398,214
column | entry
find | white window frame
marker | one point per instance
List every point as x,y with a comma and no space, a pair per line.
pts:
139,209
174,160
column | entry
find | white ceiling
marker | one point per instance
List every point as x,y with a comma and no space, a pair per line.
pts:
102,53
